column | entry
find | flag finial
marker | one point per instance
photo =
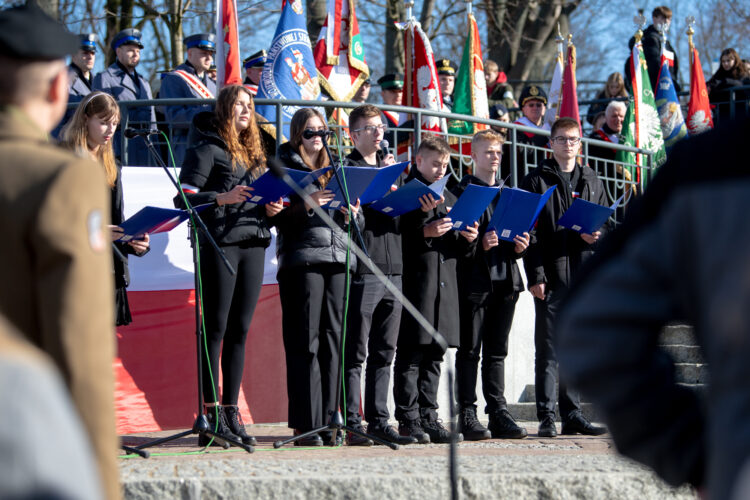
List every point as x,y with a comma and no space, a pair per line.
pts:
468,6
640,22
570,39
690,21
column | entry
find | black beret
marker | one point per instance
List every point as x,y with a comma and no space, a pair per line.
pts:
497,111
27,32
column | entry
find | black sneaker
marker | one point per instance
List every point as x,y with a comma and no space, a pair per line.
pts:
218,427
414,429
356,439
579,424
388,433
237,426
438,433
547,427
502,426
469,426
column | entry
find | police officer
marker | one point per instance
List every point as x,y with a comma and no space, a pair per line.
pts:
447,77
123,82
79,76
56,251
392,92
189,80
253,69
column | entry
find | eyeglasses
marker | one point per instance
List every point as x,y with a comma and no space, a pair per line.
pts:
371,129
534,104
560,140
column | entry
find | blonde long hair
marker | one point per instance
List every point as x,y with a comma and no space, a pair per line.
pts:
246,148
75,133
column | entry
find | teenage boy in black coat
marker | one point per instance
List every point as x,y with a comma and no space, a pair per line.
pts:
430,251
375,313
553,257
489,282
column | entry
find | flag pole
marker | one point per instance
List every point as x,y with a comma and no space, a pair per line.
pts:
559,40
690,21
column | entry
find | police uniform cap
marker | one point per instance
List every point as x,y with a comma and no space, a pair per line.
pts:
88,42
130,36
445,67
256,60
531,92
27,32
391,82
203,41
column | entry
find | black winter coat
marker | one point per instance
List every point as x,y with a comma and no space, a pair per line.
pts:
475,271
207,166
429,279
652,41
382,233
303,237
556,253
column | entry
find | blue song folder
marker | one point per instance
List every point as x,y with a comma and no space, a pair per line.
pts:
406,198
471,205
367,184
268,188
586,217
516,212
151,220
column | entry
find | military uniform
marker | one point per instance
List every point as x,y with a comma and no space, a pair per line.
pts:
257,60
79,86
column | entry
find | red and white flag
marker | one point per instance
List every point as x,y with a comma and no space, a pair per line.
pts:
699,109
339,54
569,95
422,87
228,65
555,89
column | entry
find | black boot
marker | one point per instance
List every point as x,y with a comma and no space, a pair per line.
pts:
216,425
502,426
469,426
237,426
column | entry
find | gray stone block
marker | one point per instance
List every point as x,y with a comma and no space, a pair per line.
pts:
677,335
685,353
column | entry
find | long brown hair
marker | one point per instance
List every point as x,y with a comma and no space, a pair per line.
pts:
297,128
75,133
246,148
617,78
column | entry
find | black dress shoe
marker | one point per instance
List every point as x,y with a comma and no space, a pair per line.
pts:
580,425
327,435
312,440
356,439
388,433
547,428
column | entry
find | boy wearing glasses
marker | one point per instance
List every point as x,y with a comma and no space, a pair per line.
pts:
554,256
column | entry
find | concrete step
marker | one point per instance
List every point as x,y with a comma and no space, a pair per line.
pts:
685,353
527,412
677,335
691,373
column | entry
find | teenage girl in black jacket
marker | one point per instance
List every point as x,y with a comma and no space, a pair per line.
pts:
312,278
224,155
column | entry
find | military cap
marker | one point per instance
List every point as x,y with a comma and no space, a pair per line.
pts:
88,42
130,36
391,82
445,67
203,41
256,60
497,111
531,92
27,32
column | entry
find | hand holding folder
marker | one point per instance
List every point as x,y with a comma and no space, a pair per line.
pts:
366,184
406,198
268,188
471,205
152,220
585,217
516,212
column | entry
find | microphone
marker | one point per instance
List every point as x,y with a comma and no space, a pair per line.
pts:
135,132
309,134
384,147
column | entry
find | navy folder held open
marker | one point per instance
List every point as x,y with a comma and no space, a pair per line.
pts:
151,220
268,188
367,184
516,212
586,217
406,198
471,205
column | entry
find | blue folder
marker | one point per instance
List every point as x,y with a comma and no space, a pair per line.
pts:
471,205
516,212
268,188
406,198
586,217
367,184
151,220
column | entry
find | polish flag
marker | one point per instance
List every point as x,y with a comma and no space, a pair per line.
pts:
228,62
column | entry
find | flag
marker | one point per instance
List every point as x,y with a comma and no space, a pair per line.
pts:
568,95
470,92
553,95
289,72
670,115
339,55
422,87
699,110
228,66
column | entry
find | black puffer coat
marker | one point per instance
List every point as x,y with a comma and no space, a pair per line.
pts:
303,237
207,167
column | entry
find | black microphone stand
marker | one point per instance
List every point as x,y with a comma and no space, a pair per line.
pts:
201,425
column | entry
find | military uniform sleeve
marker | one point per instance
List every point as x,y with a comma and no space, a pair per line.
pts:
74,288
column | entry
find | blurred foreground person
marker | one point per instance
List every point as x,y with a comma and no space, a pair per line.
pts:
681,254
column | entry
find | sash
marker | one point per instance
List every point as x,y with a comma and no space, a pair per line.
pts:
394,118
252,88
194,83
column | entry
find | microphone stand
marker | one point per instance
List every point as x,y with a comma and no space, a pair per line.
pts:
201,425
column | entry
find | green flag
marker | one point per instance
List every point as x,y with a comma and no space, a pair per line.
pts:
470,92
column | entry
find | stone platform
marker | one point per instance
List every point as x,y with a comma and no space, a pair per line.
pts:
563,467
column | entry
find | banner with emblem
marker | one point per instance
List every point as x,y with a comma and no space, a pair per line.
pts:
339,54
470,93
699,108
289,72
569,93
670,115
228,65
555,88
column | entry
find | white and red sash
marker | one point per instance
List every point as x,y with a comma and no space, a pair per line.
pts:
528,123
195,84
252,88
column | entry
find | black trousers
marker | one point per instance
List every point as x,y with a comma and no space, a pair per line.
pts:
416,376
545,363
228,306
372,332
312,303
485,327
